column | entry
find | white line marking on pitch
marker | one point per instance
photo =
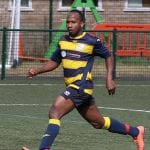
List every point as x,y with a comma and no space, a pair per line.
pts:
32,84
125,109
107,108
41,118
24,104
49,84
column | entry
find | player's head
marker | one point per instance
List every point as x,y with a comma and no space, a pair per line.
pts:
75,22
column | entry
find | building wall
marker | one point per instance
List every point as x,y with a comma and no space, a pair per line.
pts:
114,12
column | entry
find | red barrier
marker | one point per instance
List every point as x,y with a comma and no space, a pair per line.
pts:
129,43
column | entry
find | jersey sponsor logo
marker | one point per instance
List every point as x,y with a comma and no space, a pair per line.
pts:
73,55
80,47
67,93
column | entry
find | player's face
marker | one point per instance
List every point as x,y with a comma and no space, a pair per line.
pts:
74,24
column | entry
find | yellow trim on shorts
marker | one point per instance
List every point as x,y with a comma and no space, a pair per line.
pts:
74,86
88,91
107,123
54,121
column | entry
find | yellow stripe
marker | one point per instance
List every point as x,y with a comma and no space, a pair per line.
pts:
81,47
70,80
74,86
88,91
54,121
107,123
73,64
79,37
89,76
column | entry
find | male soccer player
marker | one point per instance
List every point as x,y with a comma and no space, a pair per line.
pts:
76,52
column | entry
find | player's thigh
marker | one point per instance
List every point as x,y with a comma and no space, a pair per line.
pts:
60,107
92,114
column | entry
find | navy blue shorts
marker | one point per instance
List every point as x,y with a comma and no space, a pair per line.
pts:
79,98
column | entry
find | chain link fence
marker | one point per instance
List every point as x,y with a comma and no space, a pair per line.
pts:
130,62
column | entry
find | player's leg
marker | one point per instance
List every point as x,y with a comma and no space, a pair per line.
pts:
94,117
59,108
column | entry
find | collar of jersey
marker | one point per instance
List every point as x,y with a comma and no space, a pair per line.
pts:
79,37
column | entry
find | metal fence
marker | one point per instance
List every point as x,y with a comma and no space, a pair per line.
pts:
131,52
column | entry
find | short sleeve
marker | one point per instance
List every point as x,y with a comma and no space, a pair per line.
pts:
100,49
56,56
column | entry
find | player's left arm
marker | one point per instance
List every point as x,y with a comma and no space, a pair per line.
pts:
110,84
102,51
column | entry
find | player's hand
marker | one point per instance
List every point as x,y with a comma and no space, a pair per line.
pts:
31,72
24,148
111,87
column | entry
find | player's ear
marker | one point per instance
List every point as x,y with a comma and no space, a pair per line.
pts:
82,24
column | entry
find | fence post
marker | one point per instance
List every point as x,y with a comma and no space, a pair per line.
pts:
114,51
50,19
4,40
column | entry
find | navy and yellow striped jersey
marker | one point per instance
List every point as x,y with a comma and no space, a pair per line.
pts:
77,58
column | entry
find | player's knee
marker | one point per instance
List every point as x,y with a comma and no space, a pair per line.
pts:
54,113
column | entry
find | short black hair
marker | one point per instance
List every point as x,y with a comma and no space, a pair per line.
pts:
79,12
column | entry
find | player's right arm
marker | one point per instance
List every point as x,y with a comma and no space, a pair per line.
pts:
51,65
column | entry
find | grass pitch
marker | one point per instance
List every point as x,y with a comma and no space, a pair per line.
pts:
24,109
